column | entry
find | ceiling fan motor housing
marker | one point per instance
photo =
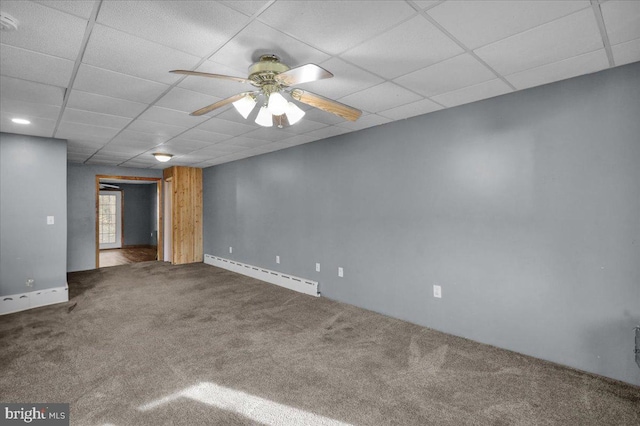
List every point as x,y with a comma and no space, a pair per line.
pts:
263,72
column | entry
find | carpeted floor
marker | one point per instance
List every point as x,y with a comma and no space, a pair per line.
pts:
154,344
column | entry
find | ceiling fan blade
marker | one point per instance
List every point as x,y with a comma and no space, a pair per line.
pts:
302,74
325,104
221,103
206,74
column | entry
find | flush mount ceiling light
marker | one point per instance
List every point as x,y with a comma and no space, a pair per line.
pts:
273,79
20,121
162,157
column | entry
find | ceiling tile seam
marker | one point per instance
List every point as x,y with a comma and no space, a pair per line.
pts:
597,12
76,66
36,52
177,82
37,82
45,4
466,49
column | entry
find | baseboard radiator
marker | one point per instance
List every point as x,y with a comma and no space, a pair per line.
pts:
33,299
291,282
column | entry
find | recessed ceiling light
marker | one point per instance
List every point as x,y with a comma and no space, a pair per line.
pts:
20,121
162,157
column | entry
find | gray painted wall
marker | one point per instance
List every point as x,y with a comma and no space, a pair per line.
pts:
137,214
81,206
32,187
525,208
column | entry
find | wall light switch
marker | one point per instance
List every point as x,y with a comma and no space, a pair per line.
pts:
49,220
340,272
437,291
230,249
317,267
277,259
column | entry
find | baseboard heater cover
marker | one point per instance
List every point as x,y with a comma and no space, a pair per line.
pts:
291,282
33,299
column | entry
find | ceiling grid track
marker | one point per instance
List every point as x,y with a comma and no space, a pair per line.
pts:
76,65
595,5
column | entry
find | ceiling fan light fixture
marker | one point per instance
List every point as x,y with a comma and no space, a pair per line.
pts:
277,104
264,118
162,157
245,105
294,113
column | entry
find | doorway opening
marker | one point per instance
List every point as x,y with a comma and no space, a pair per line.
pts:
129,220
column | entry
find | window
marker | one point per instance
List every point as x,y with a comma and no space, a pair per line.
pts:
107,219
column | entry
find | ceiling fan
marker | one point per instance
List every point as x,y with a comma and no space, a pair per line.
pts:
273,78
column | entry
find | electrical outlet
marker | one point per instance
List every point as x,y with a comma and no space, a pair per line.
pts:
277,259
437,291
230,249
30,282
340,272
317,267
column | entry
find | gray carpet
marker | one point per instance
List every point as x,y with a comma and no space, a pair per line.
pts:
154,344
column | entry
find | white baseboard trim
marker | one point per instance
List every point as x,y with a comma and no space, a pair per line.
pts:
33,299
298,284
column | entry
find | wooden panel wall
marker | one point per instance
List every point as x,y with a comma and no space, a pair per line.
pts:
186,214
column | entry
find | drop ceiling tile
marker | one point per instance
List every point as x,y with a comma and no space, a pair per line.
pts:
365,121
104,104
117,51
424,106
79,130
347,79
186,145
246,6
76,158
84,146
165,131
446,76
119,158
121,149
221,148
268,134
381,97
29,109
138,164
561,39
173,149
229,113
578,65
625,53
315,114
177,118
95,119
304,126
185,100
201,135
195,27
218,88
44,30
423,4
117,85
361,22
247,142
402,56
622,20
33,66
327,132
477,23
487,89
78,8
133,138
29,91
38,127
226,127
259,39
105,162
